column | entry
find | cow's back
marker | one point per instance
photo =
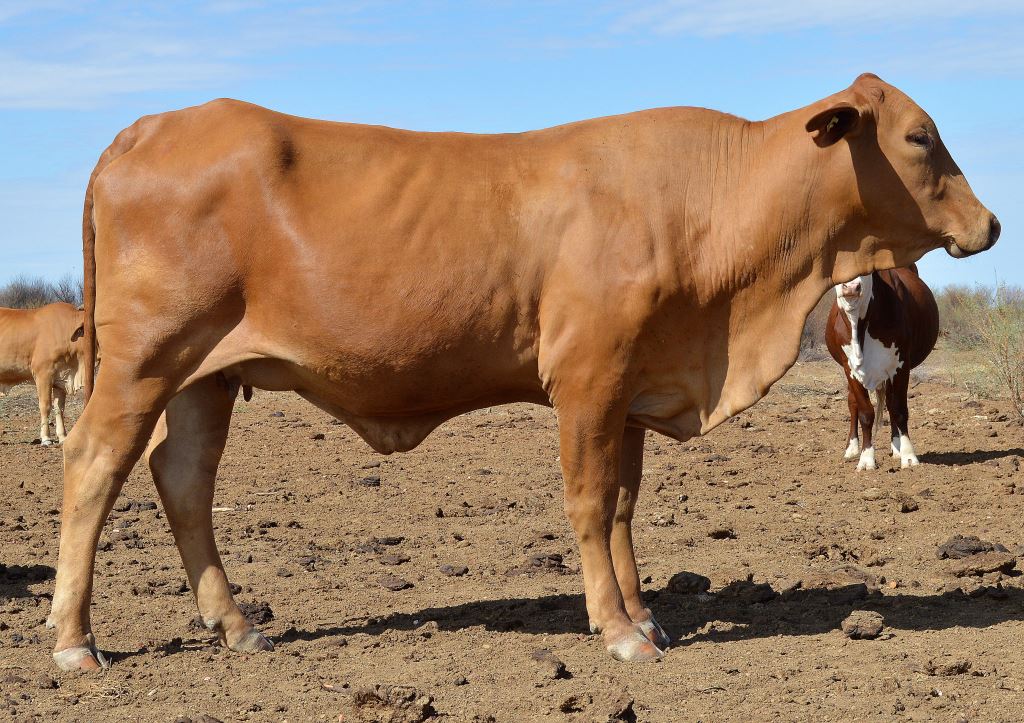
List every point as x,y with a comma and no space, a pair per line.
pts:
918,313
32,340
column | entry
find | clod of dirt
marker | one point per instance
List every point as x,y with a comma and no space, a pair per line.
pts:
393,558
453,570
747,592
872,494
958,547
371,480
390,541
551,561
906,502
947,667
318,436
982,563
722,533
198,719
863,625
394,583
392,704
688,583
135,506
549,663
277,414
258,613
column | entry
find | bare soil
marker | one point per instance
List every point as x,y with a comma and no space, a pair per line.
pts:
452,573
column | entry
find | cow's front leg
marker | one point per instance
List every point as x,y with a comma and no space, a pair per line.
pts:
899,416
623,556
866,417
591,444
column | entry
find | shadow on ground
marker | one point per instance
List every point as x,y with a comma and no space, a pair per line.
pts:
733,614
15,579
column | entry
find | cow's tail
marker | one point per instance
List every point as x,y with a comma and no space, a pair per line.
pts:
88,365
878,396
124,142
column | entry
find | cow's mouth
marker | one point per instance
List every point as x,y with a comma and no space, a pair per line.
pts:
958,252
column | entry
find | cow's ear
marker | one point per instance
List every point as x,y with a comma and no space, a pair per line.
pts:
837,122
79,333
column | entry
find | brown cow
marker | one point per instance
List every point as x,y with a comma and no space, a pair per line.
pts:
644,271
880,327
43,346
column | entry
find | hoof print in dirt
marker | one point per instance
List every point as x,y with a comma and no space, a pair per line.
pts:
593,707
863,625
258,613
394,583
453,570
688,583
549,664
958,547
370,480
391,704
983,563
947,667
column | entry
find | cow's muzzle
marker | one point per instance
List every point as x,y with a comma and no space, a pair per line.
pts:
959,252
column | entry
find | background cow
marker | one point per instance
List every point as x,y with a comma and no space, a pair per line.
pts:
645,271
880,327
43,346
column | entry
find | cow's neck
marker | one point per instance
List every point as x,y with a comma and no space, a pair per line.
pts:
790,224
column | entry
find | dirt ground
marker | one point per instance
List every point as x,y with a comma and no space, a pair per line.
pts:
311,522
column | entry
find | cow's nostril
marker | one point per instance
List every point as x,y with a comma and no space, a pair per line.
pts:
994,227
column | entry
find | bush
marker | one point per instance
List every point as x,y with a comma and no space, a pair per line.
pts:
993,327
812,340
25,292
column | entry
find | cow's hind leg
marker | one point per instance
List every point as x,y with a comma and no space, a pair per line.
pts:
44,388
183,455
591,442
899,416
623,556
98,455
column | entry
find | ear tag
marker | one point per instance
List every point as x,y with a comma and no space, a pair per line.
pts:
832,123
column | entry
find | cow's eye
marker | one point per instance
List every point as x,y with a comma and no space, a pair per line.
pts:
920,139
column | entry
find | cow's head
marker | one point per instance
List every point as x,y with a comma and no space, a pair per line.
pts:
855,295
907,194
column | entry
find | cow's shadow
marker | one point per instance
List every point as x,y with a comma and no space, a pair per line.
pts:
961,458
15,579
710,617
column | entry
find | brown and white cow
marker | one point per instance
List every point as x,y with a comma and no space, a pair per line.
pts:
880,327
43,346
645,271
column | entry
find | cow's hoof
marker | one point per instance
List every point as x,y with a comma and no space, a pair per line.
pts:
46,443
655,633
867,459
635,648
910,461
81,657
252,642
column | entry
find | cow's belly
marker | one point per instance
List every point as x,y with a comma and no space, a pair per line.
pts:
391,414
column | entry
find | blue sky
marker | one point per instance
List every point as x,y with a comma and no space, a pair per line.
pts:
72,74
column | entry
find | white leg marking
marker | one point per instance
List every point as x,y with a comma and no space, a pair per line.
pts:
852,449
59,422
867,459
907,456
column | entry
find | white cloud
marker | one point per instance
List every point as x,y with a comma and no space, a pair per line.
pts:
110,54
713,18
